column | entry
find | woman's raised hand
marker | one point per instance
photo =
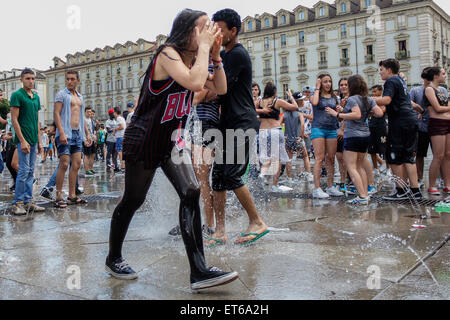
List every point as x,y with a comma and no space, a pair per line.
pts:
208,35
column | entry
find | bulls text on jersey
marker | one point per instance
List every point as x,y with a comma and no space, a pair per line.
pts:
177,106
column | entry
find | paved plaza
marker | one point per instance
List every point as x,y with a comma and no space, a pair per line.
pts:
317,249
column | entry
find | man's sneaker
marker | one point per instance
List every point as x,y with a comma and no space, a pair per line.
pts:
33,207
372,190
12,188
176,231
447,189
120,269
207,231
434,191
352,190
397,196
281,189
319,194
78,192
212,278
342,187
46,193
18,210
334,192
359,201
418,196
421,184
309,177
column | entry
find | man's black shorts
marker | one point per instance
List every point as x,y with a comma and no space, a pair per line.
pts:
87,151
228,176
402,145
378,139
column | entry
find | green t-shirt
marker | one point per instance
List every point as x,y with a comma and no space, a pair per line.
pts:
28,115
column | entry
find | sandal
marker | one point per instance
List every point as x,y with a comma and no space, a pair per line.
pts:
60,204
213,242
75,201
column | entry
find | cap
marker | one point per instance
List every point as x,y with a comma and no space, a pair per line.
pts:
110,111
130,105
306,88
298,96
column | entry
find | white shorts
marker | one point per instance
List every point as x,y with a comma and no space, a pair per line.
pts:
272,145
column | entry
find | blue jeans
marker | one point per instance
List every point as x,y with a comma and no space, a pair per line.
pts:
2,164
25,176
52,182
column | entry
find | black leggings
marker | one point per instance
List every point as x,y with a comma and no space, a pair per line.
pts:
137,184
9,158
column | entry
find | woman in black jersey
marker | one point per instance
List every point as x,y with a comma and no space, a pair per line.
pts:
154,139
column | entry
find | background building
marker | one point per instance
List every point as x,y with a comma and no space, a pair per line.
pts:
110,77
291,48
10,82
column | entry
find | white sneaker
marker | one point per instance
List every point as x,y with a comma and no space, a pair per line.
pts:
309,177
334,192
359,201
319,194
281,189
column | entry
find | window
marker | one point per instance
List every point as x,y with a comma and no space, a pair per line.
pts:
401,22
141,63
369,57
322,34
402,45
141,46
367,3
108,53
249,45
267,64
266,43
301,15
250,25
283,41
343,31
301,37
371,80
118,51
129,65
343,7
108,86
323,56
130,83
345,53
266,22
321,12
98,54
285,90
99,87
130,48
302,60
370,49
284,61
283,19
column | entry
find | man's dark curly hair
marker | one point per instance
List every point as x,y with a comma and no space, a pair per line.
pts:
230,17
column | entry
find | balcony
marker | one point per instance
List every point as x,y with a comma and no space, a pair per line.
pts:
267,72
302,68
323,64
402,55
345,62
370,58
284,69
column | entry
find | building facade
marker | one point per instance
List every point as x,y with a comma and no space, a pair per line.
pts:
291,48
110,77
10,82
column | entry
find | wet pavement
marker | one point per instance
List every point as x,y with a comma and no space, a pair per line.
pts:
317,249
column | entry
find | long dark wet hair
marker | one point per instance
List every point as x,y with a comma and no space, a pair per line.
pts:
358,86
179,39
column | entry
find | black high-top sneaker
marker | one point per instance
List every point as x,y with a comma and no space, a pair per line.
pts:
212,278
120,269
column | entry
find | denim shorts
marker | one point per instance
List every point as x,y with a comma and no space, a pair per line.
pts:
74,145
317,133
119,144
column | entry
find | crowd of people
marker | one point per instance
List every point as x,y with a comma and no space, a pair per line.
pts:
190,72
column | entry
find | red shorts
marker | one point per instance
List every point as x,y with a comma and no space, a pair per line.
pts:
438,127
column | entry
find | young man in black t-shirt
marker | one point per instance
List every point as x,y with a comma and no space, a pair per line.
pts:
237,113
403,129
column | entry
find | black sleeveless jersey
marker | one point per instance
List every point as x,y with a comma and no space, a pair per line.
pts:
157,124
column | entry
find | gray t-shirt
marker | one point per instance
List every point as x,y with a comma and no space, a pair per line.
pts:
292,124
110,125
358,128
322,120
417,95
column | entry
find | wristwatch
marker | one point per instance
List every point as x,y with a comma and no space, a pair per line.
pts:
218,67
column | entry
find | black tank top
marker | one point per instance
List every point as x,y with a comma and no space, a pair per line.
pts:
274,114
163,109
442,99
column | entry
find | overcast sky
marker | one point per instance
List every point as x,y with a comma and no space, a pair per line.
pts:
33,32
